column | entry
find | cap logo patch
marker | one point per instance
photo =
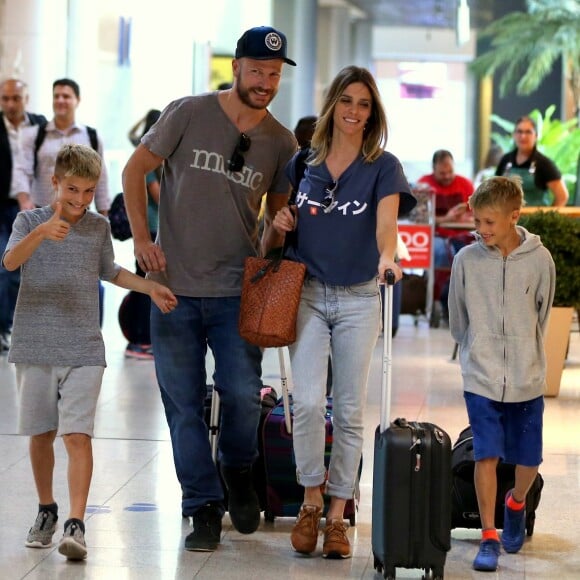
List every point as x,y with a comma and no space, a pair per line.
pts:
273,41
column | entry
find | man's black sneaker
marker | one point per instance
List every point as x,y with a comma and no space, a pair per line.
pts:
207,529
243,502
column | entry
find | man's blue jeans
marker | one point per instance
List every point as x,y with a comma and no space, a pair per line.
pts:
180,340
9,281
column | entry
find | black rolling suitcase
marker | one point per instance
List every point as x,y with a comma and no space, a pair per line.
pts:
411,510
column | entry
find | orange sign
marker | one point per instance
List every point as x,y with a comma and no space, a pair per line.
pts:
417,238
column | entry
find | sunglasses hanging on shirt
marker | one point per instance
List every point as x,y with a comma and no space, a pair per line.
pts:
237,160
329,202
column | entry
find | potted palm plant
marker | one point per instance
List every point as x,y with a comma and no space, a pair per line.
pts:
561,235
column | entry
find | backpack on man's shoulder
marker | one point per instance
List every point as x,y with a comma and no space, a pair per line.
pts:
118,219
40,136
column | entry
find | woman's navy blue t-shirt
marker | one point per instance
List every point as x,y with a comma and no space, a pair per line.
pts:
340,247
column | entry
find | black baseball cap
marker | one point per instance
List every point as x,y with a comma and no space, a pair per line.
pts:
263,43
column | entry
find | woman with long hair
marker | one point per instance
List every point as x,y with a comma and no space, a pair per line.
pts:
345,219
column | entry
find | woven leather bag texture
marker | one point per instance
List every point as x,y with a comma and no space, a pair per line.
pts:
271,291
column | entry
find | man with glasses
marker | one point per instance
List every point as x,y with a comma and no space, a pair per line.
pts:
222,151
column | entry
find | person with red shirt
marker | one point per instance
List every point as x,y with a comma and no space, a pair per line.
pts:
452,192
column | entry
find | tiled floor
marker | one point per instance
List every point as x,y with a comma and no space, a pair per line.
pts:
134,524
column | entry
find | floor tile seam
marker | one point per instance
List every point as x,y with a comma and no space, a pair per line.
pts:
8,467
135,439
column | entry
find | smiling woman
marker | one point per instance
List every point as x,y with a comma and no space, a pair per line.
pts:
346,234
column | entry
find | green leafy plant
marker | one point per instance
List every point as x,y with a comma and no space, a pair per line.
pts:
525,46
558,140
561,235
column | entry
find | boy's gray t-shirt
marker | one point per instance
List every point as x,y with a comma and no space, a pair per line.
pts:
207,214
56,321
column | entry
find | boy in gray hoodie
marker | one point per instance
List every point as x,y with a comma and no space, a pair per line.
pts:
500,297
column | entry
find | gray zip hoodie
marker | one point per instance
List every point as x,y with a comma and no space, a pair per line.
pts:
498,312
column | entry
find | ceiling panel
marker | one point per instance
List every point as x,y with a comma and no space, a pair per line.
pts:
424,13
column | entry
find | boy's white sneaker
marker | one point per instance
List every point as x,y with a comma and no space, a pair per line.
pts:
40,534
72,544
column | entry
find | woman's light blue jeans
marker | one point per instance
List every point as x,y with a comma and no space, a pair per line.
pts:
343,321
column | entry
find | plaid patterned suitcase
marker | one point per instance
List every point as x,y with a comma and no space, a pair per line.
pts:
284,495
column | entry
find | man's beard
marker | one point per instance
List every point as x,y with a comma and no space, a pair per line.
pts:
245,96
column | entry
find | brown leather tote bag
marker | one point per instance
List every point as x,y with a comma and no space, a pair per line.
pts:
271,291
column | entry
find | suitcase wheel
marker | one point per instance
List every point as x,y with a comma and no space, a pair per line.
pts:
433,574
269,516
530,522
352,520
436,313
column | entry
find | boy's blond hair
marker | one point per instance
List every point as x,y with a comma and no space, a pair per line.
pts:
78,161
504,193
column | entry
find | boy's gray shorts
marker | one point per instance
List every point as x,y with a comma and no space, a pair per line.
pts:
57,398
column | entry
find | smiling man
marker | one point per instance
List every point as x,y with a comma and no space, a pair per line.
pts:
34,166
222,152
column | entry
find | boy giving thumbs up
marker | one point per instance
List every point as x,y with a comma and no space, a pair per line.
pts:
63,249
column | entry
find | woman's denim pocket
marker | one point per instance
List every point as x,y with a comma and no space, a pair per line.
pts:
365,289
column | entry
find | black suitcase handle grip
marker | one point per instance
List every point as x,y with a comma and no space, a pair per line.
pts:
390,277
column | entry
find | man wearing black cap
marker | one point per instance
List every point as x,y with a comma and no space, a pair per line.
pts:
221,151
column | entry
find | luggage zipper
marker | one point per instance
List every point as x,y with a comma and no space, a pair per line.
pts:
415,523
416,442
462,442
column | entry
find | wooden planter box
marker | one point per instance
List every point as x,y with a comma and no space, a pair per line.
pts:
556,346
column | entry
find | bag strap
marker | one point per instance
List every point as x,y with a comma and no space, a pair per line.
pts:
276,256
299,170
40,135
94,141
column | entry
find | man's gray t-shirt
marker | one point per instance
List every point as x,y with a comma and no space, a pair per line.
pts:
207,214
56,321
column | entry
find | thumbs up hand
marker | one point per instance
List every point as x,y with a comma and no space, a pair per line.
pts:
55,228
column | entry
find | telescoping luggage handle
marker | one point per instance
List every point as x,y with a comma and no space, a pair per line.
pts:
285,396
387,350
214,421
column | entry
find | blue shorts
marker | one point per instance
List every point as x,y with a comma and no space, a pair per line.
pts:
510,431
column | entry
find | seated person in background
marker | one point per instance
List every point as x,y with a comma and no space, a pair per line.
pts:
451,195
541,180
